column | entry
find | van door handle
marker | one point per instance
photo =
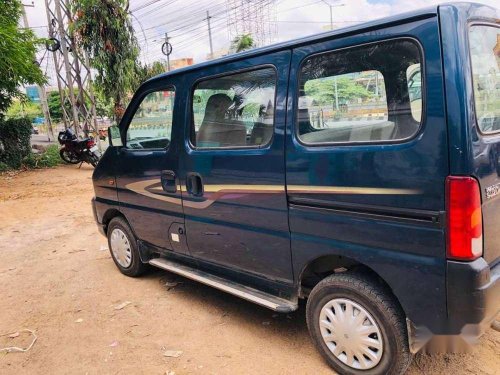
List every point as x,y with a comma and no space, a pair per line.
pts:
168,181
194,185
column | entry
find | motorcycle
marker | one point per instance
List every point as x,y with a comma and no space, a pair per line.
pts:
74,150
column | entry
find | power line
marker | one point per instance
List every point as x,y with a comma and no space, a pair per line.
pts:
151,2
142,29
186,26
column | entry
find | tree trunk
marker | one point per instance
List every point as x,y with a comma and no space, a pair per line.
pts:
119,110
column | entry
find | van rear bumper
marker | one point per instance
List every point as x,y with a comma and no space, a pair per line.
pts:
473,296
473,302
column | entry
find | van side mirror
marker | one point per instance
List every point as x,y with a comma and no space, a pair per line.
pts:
115,138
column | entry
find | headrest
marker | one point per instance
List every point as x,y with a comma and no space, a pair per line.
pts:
217,106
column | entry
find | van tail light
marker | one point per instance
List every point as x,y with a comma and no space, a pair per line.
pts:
464,218
90,143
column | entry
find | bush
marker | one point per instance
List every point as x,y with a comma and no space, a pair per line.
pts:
15,135
47,159
3,167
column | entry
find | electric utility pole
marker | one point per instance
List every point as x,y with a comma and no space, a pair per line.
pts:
210,36
41,89
166,48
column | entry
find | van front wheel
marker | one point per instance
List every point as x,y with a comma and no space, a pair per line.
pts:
357,327
123,248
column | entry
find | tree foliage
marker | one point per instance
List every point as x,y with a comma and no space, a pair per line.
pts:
242,43
103,106
54,103
147,71
27,109
104,30
17,55
322,91
15,135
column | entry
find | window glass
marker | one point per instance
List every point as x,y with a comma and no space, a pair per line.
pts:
485,56
365,94
235,110
151,126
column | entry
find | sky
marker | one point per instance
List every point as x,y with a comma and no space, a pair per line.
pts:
185,21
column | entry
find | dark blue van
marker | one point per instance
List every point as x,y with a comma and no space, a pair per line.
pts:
358,169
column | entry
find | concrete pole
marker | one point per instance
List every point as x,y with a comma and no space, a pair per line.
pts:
168,54
331,17
210,36
41,89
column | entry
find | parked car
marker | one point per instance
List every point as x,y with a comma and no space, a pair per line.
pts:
381,216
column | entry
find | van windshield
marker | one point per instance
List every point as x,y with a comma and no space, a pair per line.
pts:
485,56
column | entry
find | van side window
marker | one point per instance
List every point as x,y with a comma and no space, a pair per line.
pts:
236,110
364,94
485,56
151,126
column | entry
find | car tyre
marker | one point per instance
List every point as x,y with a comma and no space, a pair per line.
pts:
357,292
123,247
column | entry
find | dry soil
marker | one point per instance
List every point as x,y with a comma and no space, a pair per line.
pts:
57,278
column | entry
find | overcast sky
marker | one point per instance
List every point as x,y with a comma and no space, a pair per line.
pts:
185,21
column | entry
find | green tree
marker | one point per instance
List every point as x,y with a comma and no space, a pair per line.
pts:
18,51
103,106
322,90
54,103
27,109
145,72
242,43
104,30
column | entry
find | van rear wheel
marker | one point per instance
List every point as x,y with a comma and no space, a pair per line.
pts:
123,248
357,326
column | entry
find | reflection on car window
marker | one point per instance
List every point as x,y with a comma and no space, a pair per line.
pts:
485,56
415,90
236,110
151,126
365,94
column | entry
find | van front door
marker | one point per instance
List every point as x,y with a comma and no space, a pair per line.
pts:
148,190
233,168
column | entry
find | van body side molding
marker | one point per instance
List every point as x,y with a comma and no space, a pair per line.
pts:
422,217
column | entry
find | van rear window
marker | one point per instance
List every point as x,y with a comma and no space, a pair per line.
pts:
364,94
485,56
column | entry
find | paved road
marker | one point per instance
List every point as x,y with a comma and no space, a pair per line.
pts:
41,139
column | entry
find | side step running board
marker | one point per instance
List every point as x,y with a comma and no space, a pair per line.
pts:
264,299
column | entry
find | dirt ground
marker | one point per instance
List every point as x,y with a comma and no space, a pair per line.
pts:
57,278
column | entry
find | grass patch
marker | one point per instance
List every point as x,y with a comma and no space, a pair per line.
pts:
49,158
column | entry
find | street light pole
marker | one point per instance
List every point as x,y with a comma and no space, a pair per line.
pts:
331,6
331,28
331,16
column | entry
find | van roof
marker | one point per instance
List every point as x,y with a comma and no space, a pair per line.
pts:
315,38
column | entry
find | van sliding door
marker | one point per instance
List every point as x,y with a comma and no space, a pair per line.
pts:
367,156
233,167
